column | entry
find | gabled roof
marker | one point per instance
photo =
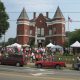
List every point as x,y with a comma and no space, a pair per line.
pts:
47,19
58,13
23,15
40,15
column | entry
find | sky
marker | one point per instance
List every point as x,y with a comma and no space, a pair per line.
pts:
69,8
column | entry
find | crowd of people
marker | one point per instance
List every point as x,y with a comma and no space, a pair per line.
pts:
32,54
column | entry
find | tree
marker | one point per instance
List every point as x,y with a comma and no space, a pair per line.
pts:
75,36
67,41
9,42
4,24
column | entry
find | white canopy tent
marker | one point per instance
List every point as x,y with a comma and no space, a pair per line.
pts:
50,45
76,44
26,45
76,47
16,45
57,47
8,46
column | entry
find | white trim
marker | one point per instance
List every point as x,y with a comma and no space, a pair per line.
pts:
26,35
31,36
41,38
23,22
49,23
22,35
32,23
56,22
55,35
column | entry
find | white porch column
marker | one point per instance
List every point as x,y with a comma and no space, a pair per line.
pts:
35,35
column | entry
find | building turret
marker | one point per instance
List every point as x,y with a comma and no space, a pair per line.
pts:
23,28
58,24
23,15
58,14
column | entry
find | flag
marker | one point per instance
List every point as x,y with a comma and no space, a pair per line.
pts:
69,19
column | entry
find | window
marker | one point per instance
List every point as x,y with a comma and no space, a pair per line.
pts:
40,31
50,32
30,32
63,30
25,32
19,32
54,30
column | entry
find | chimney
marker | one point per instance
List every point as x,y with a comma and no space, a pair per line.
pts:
47,14
34,15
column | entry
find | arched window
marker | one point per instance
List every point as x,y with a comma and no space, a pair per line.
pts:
40,31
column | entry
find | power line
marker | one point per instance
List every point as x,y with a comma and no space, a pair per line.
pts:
40,12
65,21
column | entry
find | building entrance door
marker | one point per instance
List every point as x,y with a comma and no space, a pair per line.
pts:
40,43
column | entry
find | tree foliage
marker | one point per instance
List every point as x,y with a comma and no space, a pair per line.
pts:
74,36
4,24
9,42
71,37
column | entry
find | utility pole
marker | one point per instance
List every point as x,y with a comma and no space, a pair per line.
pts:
69,20
4,39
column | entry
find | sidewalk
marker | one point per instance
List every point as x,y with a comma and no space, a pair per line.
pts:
30,65
68,66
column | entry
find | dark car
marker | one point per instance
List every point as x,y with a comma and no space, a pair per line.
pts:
13,59
76,66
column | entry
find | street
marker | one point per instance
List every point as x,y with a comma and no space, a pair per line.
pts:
27,73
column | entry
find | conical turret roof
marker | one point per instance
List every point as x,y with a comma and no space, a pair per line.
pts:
58,13
23,15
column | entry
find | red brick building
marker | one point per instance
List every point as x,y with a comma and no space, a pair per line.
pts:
41,29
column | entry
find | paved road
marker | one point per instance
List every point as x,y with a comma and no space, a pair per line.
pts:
27,73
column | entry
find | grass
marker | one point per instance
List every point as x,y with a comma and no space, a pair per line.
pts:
69,59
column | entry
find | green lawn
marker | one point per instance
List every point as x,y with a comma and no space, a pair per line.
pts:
68,59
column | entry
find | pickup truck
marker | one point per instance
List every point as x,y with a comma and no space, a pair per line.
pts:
76,66
53,64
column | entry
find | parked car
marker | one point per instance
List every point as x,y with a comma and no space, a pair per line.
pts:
53,64
13,59
76,66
